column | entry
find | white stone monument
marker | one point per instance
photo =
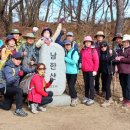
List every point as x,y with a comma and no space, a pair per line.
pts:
53,57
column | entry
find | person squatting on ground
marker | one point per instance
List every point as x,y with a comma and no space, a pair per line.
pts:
12,71
106,69
90,64
71,60
38,96
123,62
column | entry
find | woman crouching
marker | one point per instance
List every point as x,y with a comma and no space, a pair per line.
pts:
37,96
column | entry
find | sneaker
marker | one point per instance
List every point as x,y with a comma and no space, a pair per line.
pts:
85,100
90,102
74,102
39,108
106,103
111,101
124,101
34,108
127,104
20,112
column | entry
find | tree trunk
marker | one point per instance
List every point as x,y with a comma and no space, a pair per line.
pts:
120,16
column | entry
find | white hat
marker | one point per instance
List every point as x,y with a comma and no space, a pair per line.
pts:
126,37
70,34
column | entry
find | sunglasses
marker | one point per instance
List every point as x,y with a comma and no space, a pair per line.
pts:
18,58
41,68
103,46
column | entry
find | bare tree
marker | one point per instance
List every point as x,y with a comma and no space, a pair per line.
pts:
120,16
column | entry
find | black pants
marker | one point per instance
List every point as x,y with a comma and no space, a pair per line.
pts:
106,83
89,84
97,84
125,84
71,80
47,100
9,97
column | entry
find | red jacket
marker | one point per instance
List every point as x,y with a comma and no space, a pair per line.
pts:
39,84
90,59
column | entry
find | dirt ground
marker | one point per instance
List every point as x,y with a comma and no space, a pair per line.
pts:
81,117
68,118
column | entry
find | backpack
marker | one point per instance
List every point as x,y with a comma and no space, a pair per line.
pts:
25,83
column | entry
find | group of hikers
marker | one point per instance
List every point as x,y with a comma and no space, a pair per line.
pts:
20,56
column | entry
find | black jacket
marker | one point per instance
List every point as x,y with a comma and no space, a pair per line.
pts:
106,62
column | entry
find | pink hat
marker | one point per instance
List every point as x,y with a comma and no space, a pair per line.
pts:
88,38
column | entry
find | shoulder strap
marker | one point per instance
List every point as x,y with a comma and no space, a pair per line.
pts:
72,54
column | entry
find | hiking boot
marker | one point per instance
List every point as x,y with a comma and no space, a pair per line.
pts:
74,102
90,102
106,103
40,108
34,108
20,112
85,100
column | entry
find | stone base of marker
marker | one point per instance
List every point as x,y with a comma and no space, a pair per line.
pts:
62,100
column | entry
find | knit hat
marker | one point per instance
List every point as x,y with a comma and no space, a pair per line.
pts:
9,37
46,29
99,33
17,55
118,35
103,43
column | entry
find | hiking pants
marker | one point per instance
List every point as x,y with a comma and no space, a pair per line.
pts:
106,83
47,100
89,84
9,97
125,84
71,80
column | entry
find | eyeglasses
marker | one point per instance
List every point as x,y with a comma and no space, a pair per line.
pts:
41,68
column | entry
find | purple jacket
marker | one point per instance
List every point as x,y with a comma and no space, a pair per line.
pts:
124,65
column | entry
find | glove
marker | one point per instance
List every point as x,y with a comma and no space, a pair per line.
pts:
51,80
94,73
47,42
35,29
20,73
62,20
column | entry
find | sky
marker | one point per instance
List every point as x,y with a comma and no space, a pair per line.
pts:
56,6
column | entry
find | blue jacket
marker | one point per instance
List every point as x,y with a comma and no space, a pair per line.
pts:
10,73
60,42
71,62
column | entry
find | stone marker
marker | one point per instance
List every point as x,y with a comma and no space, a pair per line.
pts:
53,57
